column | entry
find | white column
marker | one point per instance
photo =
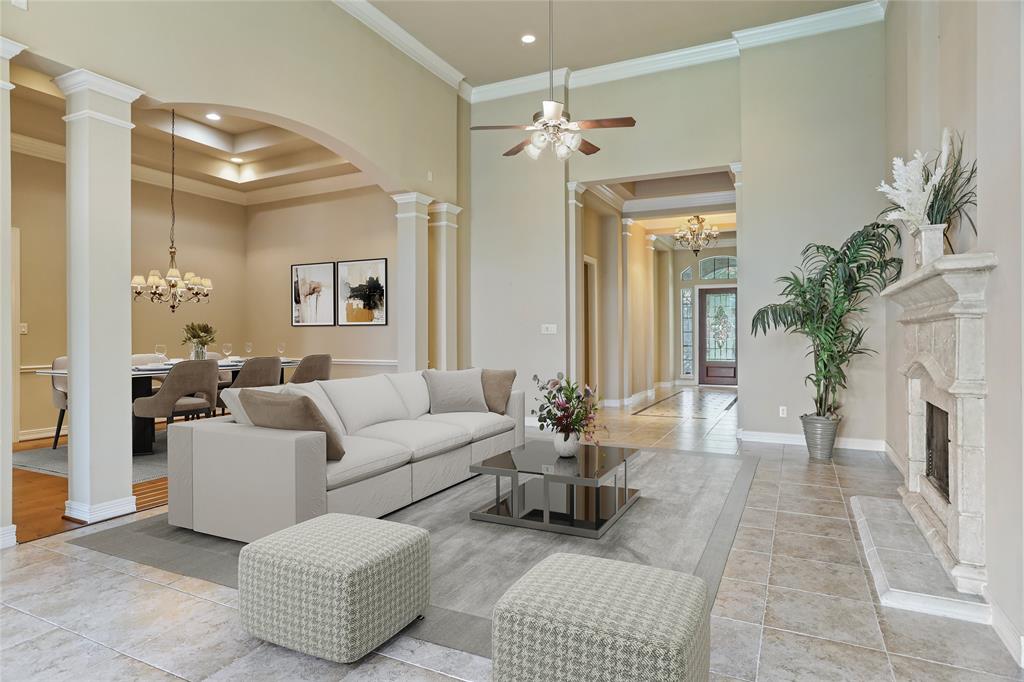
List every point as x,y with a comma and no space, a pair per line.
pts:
574,282
627,322
652,324
444,285
8,50
99,212
411,302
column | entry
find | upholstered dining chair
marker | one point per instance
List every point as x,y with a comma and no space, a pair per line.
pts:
257,372
59,394
312,368
189,389
223,378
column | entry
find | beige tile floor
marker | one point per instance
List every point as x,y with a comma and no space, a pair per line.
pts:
795,603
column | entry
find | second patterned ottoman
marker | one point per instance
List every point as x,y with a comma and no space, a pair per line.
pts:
575,617
336,586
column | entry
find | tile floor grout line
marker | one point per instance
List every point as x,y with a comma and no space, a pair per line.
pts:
417,665
767,581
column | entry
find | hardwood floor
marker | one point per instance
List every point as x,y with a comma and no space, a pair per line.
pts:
39,498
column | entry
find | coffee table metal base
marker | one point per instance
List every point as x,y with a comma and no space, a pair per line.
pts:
611,501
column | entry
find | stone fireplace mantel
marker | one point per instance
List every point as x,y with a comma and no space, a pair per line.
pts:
943,316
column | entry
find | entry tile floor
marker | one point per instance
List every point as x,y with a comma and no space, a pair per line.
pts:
795,603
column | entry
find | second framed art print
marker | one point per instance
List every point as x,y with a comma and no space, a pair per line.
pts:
363,292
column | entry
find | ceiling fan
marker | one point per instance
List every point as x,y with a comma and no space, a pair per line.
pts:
552,124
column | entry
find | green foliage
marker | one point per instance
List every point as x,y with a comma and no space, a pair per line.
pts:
201,333
566,407
955,191
823,299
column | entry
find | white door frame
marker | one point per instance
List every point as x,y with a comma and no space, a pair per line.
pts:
590,271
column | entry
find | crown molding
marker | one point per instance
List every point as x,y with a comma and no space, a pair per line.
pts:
41,149
801,27
814,24
308,188
83,79
679,201
9,49
664,61
412,197
386,28
98,116
518,86
607,196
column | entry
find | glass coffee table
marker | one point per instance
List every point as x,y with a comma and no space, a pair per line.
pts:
582,495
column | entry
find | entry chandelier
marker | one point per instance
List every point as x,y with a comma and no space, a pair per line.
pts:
172,288
695,235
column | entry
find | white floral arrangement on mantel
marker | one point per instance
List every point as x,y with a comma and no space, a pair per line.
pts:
913,185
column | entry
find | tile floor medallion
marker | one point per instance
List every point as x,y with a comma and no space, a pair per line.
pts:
795,602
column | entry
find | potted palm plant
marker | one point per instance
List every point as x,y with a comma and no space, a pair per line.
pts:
824,299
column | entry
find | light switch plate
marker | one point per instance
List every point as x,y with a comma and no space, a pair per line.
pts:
23,328
549,329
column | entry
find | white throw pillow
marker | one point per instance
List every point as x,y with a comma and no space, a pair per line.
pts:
365,401
229,396
322,402
413,389
455,391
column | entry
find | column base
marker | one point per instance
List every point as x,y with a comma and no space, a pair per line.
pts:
91,513
8,538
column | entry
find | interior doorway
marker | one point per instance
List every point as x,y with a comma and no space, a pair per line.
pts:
717,356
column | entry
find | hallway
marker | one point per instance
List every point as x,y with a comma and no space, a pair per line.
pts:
691,418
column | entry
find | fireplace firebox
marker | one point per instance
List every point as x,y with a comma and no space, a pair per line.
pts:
937,448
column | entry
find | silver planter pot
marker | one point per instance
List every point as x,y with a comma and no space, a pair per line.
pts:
820,435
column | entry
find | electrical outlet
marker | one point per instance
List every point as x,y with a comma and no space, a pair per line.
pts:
549,329
430,176
782,410
23,328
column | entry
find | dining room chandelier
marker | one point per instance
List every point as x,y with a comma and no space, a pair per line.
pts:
695,235
172,288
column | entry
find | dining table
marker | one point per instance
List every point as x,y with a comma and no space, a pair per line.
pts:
144,428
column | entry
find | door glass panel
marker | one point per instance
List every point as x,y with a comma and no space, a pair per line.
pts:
686,315
720,327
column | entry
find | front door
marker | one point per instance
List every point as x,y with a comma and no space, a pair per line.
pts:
718,336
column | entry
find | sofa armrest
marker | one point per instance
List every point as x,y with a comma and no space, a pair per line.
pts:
249,481
516,408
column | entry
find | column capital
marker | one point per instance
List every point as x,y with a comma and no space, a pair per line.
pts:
736,170
443,207
576,187
627,224
411,198
83,79
9,49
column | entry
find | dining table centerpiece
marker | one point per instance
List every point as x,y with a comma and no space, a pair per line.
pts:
199,335
569,410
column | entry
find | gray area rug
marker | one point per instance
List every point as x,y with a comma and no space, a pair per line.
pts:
46,460
685,520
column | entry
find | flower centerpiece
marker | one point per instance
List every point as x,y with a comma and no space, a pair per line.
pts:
200,335
568,410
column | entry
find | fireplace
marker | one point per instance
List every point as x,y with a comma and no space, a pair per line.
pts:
937,448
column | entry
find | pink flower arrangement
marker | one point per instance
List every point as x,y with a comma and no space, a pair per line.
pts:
566,407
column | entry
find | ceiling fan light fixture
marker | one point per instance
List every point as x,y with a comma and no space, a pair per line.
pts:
562,151
552,110
572,140
533,151
539,139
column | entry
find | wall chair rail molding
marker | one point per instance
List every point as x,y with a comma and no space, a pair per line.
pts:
366,362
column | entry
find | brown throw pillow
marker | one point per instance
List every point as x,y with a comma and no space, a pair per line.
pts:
497,388
289,412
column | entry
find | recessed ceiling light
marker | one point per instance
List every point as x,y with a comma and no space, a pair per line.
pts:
528,39
213,116
237,159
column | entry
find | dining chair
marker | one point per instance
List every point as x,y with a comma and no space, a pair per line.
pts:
189,389
59,394
312,368
256,372
223,378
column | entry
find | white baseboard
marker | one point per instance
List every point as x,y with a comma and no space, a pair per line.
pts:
664,384
45,432
897,461
8,538
798,439
1007,631
91,513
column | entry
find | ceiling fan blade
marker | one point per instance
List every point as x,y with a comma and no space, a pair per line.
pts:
588,148
510,127
518,148
621,122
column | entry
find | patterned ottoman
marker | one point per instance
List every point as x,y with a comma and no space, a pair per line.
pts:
575,617
336,586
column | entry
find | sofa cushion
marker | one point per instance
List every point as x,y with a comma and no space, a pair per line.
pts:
423,438
365,458
365,401
316,393
291,413
413,390
455,391
480,425
497,385
231,401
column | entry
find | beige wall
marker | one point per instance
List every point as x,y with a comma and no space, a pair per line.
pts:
813,134
343,226
211,240
958,64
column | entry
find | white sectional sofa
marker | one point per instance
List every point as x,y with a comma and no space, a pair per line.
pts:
234,480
